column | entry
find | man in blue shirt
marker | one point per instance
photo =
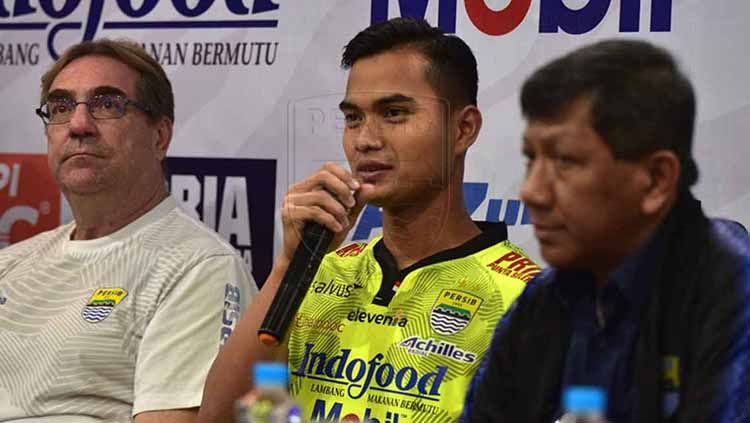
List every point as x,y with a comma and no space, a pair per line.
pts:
646,298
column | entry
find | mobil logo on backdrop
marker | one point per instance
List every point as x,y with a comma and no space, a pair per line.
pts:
234,197
29,197
570,16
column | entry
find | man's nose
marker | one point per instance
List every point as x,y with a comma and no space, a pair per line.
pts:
81,122
536,191
369,136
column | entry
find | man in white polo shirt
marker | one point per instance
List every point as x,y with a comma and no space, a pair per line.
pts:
118,315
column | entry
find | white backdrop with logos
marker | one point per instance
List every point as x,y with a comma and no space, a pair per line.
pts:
261,80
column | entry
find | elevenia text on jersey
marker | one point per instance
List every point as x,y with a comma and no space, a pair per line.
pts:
364,316
361,375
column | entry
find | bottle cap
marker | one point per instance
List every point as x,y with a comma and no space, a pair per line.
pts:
265,374
584,399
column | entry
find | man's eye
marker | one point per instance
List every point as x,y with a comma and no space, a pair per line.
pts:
528,158
351,118
58,108
104,102
564,161
393,112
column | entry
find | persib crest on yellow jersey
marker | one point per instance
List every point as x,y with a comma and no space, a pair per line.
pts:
453,310
102,303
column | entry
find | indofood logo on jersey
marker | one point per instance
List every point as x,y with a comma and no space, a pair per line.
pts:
102,303
234,197
57,19
453,310
356,377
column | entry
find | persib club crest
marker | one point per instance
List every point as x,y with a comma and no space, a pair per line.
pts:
453,311
102,303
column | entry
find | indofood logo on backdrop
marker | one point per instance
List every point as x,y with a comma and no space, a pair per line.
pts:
56,18
234,197
570,16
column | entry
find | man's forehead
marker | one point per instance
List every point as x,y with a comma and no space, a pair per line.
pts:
573,118
545,131
369,98
398,71
89,73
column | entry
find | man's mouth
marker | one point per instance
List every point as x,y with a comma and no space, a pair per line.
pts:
81,154
370,171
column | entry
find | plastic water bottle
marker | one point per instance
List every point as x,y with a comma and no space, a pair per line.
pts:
269,400
584,404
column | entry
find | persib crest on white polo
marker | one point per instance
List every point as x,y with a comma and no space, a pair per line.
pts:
101,304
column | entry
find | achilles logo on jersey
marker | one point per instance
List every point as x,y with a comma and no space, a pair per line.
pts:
341,290
29,197
234,197
453,311
102,303
359,376
425,347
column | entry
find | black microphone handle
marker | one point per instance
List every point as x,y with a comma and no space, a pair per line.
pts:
314,244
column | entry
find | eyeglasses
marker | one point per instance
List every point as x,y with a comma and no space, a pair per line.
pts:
101,106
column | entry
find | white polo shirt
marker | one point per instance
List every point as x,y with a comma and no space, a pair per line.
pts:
104,329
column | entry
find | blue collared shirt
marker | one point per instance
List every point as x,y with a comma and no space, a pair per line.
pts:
520,376
604,327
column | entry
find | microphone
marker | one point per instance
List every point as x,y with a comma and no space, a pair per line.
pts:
314,244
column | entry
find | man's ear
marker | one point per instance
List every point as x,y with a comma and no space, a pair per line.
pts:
162,137
468,122
662,178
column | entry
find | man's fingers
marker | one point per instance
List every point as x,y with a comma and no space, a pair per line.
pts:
298,215
359,205
343,175
323,200
333,179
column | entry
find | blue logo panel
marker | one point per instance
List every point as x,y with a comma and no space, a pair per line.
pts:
234,197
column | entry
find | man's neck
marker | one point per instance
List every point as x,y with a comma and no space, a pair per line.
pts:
103,214
414,233
640,234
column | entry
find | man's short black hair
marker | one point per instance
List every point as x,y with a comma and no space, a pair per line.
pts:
452,67
640,101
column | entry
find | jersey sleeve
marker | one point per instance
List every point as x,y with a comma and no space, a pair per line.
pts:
185,334
717,389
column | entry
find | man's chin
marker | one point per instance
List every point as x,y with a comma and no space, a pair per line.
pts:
557,255
78,185
373,195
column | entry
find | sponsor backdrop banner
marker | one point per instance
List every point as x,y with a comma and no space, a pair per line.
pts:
258,82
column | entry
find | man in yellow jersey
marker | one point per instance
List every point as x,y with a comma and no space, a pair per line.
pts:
391,330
